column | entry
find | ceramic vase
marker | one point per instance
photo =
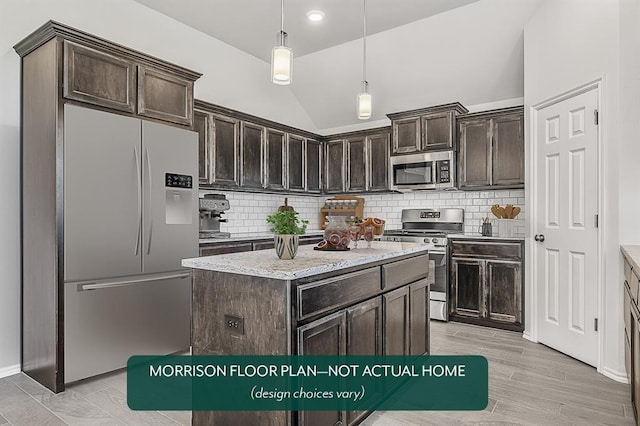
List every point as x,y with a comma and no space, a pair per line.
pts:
286,245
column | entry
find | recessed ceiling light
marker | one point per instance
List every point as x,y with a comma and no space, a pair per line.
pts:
315,15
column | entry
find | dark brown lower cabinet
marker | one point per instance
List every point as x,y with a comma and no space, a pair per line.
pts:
396,322
635,360
419,317
486,283
467,278
364,337
354,331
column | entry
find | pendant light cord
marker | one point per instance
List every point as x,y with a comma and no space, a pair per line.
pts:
364,42
281,16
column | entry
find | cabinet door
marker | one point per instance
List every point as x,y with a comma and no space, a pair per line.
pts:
378,162
474,167
334,166
467,276
364,337
276,159
251,154
406,135
503,288
98,78
326,336
295,155
225,151
419,317
314,166
635,361
438,131
508,150
201,125
627,332
164,96
364,333
396,322
356,181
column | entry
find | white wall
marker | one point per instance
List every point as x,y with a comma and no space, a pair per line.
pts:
568,43
232,78
472,54
629,124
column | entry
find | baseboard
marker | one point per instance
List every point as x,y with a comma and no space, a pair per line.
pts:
528,337
10,370
615,375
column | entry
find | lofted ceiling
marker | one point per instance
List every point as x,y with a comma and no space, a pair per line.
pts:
419,52
252,25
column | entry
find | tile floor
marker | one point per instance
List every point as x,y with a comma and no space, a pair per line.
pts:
529,384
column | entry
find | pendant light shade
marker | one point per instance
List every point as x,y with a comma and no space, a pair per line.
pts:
282,56
365,103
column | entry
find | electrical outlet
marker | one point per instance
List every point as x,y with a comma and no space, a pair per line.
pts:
234,324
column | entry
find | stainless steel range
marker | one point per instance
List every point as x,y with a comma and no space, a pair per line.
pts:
431,227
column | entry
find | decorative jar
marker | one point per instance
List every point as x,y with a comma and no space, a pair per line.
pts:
337,233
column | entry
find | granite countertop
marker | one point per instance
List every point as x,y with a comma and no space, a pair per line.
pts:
251,236
632,253
308,262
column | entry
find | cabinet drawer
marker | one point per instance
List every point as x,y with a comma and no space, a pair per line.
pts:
633,287
397,274
325,295
486,249
164,96
627,272
213,249
98,78
627,314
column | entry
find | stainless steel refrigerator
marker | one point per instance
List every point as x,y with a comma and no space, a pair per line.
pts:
130,216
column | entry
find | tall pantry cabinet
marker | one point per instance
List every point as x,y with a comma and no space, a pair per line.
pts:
64,66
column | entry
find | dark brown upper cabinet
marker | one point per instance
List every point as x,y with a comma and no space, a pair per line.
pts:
251,155
378,161
491,149
201,125
314,166
425,129
99,78
356,164
101,73
164,96
276,159
295,156
407,135
224,147
334,166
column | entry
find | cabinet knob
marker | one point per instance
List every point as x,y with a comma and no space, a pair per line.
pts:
539,238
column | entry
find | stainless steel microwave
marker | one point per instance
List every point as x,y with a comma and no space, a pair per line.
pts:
429,170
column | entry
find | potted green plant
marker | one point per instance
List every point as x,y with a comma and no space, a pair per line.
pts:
287,227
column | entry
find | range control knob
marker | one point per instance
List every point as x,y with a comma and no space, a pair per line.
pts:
434,240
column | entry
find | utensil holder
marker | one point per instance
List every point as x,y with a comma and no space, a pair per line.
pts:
506,228
486,230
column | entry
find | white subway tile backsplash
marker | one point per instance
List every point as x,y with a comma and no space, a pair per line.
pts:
249,210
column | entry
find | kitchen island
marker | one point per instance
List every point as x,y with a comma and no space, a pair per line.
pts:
358,302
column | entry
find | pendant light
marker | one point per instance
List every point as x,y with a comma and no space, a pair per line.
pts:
364,97
281,56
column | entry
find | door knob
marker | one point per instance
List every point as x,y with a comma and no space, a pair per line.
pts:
539,238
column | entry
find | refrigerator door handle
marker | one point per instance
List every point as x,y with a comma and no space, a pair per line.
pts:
139,174
112,284
150,216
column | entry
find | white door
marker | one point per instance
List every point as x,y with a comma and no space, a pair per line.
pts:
566,240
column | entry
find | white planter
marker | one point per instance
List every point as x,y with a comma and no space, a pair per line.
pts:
286,245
